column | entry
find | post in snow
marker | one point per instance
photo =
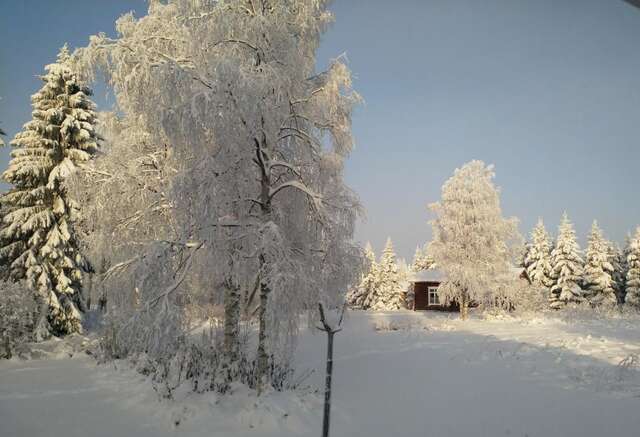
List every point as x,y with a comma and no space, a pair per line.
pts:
331,331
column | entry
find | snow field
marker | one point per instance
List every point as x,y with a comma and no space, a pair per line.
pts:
396,374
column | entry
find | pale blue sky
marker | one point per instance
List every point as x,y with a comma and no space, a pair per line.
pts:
547,90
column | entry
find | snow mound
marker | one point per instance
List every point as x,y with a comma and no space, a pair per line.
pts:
56,348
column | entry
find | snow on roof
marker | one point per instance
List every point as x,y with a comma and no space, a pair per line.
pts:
431,275
436,275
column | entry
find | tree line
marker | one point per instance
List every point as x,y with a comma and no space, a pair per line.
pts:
476,248
605,275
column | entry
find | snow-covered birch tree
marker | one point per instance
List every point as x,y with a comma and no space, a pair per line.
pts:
472,243
259,138
633,271
537,260
127,206
599,286
38,241
568,267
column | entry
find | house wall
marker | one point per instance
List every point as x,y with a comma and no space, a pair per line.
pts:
421,298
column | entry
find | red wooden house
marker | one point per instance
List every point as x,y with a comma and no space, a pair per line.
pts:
425,289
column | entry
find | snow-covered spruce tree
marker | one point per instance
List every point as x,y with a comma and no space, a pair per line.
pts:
390,283
38,239
598,283
568,267
633,271
358,297
618,262
472,243
623,268
537,260
259,139
422,259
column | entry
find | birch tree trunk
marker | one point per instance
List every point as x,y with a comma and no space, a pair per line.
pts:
263,357
231,321
464,305
262,157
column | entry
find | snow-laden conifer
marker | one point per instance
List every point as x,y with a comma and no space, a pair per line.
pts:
623,268
568,266
390,283
537,260
472,243
633,271
598,283
38,241
422,259
359,296
616,257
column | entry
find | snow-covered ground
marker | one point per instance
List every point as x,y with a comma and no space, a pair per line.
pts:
396,374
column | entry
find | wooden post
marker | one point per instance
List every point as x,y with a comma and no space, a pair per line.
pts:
331,331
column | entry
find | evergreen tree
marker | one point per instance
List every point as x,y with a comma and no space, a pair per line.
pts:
422,260
537,259
616,256
633,272
599,285
37,241
624,267
567,266
390,285
359,296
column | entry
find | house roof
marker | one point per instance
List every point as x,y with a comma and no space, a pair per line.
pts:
431,275
437,275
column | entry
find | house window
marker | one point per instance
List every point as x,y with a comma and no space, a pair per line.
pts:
433,296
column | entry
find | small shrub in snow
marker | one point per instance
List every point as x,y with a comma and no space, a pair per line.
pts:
202,365
395,326
17,317
530,298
